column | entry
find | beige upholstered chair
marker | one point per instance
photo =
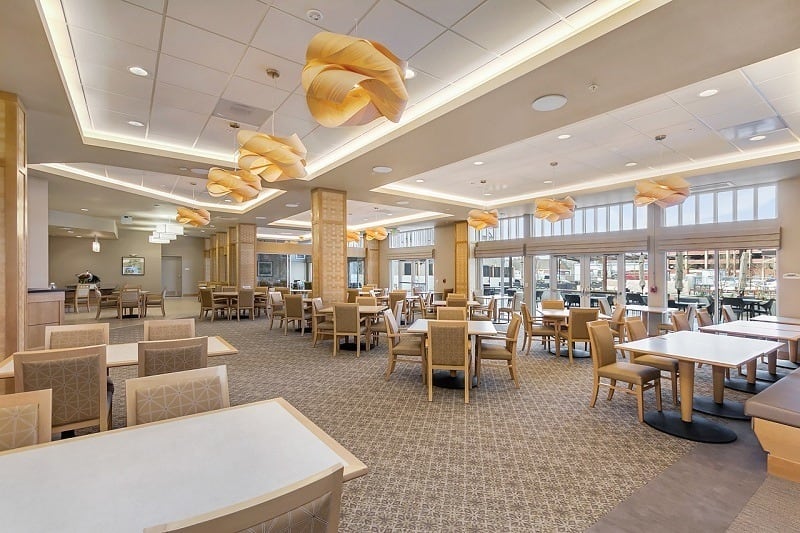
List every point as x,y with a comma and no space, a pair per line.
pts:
617,321
283,290
82,292
228,288
512,308
130,300
277,308
394,297
246,301
403,347
348,323
367,300
454,301
488,348
680,321
605,307
321,323
163,330
728,314
605,365
209,303
426,310
25,418
165,396
552,304
576,329
483,313
75,335
156,300
637,331
78,379
295,312
352,295
175,355
447,348
107,301
312,505
535,327
261,301
451,313
704,318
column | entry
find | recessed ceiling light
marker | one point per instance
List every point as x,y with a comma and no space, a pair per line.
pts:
261,218
78,236
758,137
549,102
631,164
292,205
381,170
201,171
137,71
402,202
564,136
228,200
420,181
547,182
487,194
477,163
136,123
410,74
707,93
84,209
70,231
183,169
156,205
286,233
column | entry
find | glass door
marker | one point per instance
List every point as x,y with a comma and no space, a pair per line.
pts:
582,280
569,276
603,278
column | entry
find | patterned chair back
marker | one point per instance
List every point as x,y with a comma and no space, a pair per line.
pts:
75,335
162,330
176,355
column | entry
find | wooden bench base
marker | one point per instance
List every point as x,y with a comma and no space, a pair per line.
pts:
782,443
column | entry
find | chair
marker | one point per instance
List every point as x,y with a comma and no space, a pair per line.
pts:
261,301
513,308
75,335
155,300
165,396
728,314
447,348
78,379
25,418
320,325
399,311
209,303
576,329
278,308
425,309
175,355
487,349
735,304
283,290
680,321
162,330
347,323
637,331
81,296
107,301
484,313
535,328
394,297
367,300
764,307
246,301
572,300
313,504
352,295
605,365
408,346
456,301
130,300
605,307
295,312
228,288
553,304
451,313
617,321
704,318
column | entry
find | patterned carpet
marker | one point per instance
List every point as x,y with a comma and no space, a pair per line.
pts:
530,459
773,508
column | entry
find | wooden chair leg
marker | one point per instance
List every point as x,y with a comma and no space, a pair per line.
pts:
658,395
595,391
674,377
640,402
430,384
611,389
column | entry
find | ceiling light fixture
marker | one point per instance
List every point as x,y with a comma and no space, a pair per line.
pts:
136,123
482,218
292,205
554,210
193,216
84,209
420,180
351,81
549,102
240,184
477,163
353,236
664,192
96,245
757,138
382,170
138,71
707,93
564,136
410,74
376,233
631,164
402,202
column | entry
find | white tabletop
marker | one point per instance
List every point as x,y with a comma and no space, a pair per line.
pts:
718,350
649,309
756,329
552,314
127,354
362,309
443,303
474,327
777,319
131,478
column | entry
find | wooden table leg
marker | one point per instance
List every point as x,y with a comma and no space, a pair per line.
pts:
718,383
792,351
686,371
751,370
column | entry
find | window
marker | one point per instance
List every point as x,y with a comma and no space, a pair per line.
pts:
507,228
742,204
411,238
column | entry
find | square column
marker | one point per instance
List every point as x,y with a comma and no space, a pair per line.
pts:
329,244
462,258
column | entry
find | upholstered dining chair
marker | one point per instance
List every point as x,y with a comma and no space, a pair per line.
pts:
576,328
606,366
77,377
277,308
321,323
106,301
680,321
165,396
75,335
155,300
25,418
130,300
535,327
426,310
448,348
162,330
82,292
313,504
483,313
209,303
352,295
455,301
552,304
604,306
367,300
246,301
394,297
488,349
295,311
403,347
348,323
704,318
728,313
513,306
637,331
617,321
451,313
174,355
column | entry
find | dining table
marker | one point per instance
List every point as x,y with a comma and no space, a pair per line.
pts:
720,352
370,312
559,318
131,478
651,315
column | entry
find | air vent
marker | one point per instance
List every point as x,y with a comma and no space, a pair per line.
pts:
711,187
744,131
230,110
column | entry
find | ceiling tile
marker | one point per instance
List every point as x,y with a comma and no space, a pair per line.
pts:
295,106
201,47
116,123
218,136
722,102
235,19
602,129
338,16
255,63
774,67
391,24
254,94
661,119
793,121
565,8
725,84
601,159
781,86
285,126
775,138
115,81
182,98
788,104
739,115
640,109
499,25
141,27
445,12
285,35
450,57
182,73
152,5
702,148
176,124
94,48
422,86
117,102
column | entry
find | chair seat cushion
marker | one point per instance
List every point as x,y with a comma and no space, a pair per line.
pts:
539,330
629,372
778,403
658,361
378,327
494,350
408,346
325,326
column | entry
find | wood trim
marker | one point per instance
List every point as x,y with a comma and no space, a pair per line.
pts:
780,442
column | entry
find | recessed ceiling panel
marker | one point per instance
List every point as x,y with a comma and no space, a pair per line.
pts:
201,47
182,98
115,81
338,16
450,57
389,22
235,20
499,25
445,12
118,20
192,76
284,35
112,53
254,67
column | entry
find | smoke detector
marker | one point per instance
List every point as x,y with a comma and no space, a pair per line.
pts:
126,219
314,15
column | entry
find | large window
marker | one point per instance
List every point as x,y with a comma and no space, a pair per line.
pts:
411,238
599,219
410,274
729,205
507,228
501,275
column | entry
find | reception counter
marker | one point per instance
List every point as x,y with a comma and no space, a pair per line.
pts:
45,308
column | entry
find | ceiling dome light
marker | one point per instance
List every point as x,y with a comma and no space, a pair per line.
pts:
549,102
138,71
707,93
477,163
382,170
410,74
564,136
631,164
420,181
292,205
758,137
136,123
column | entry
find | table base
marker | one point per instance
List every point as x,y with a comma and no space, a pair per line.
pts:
763,375
698,430
726,409
783,363
443,379
576,354
743,386
351,346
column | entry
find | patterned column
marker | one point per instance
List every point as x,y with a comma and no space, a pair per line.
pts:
207,271
246,255
372,263
233,255
13,224
329,244
462,258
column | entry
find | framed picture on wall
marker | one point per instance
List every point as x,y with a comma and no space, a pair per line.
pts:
133,266
265,269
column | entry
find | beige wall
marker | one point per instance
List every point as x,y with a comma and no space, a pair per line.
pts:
789,253
190,249
38,275
70,256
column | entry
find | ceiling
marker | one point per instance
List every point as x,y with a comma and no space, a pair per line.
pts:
630,70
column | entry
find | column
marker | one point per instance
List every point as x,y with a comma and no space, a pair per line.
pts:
372,263
462,258
656,267
233,256
13,224
329,244
246,254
